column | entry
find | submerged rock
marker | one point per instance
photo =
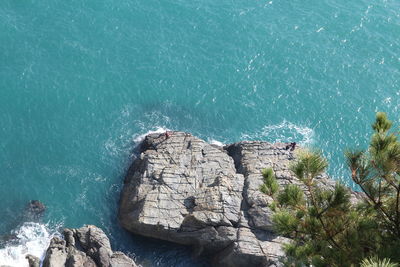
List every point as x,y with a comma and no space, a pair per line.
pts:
36,207
34,210
87,246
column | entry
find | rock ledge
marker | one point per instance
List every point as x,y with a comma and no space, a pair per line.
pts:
87,246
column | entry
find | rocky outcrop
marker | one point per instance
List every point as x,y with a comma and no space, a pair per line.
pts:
87,246
187,191
250,158
182,187
184,190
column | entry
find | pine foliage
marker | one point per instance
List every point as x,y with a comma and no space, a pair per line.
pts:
326,227
376,262
377,172
270,185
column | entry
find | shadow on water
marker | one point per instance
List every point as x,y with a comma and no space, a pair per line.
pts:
154,252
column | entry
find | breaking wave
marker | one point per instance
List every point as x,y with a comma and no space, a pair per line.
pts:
140,137
30,238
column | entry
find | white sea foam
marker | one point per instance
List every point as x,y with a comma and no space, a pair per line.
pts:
283,132
140,137
158,129
31,238
215,142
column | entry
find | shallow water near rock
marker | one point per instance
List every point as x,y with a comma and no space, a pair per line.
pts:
80,82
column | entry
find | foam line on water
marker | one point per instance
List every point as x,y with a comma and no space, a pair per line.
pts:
283,132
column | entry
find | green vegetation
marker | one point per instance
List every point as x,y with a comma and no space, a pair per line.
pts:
270,186
329,227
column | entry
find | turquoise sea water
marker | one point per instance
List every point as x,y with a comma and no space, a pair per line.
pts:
81,81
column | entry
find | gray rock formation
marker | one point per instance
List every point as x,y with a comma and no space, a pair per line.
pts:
187,191
184,190
35,208
87,246
33,260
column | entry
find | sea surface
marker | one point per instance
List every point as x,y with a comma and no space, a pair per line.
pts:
81,82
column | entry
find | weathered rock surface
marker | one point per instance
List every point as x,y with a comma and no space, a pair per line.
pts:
87,246
187,191
251,157
33,260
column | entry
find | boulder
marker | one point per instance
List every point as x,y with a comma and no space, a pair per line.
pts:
33,260
119,259
56,254
87,246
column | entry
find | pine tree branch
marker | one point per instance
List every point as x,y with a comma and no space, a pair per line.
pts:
379,191
398,212
376,204
320,219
